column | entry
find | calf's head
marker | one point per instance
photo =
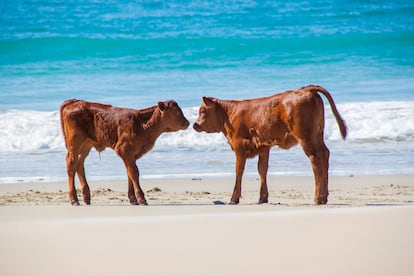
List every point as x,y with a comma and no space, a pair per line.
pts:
172,116
210,117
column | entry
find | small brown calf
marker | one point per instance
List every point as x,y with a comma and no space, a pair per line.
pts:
130,133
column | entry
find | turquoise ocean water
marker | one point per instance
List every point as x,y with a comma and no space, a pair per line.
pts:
134,54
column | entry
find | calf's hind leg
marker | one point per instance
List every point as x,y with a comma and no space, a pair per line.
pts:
86,194
71,167
131,193
262,166
318,155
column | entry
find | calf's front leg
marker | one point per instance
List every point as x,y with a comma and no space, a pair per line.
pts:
135,193
133,175
240,163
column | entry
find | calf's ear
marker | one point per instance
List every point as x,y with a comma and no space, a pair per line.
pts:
162,106
208,101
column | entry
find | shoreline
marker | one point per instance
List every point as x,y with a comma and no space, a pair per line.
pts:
290,191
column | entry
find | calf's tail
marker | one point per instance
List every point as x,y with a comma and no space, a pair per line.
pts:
62,107
341,123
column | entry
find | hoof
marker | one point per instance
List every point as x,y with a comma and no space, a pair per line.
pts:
234,202
87,202
142,202
74,203
133,202
321,200
263,201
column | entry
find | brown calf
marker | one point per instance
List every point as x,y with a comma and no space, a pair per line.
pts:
130,133
253,126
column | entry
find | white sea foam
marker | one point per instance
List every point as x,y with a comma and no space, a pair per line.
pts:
22,130
374,121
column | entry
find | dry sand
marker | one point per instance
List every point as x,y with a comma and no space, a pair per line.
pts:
367,228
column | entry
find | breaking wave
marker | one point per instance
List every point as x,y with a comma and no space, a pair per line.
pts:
32,131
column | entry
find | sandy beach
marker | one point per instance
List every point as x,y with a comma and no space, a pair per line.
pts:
366,228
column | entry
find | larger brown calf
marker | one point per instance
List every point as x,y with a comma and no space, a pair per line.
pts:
253,126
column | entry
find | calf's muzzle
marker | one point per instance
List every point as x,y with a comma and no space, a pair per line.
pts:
197,127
